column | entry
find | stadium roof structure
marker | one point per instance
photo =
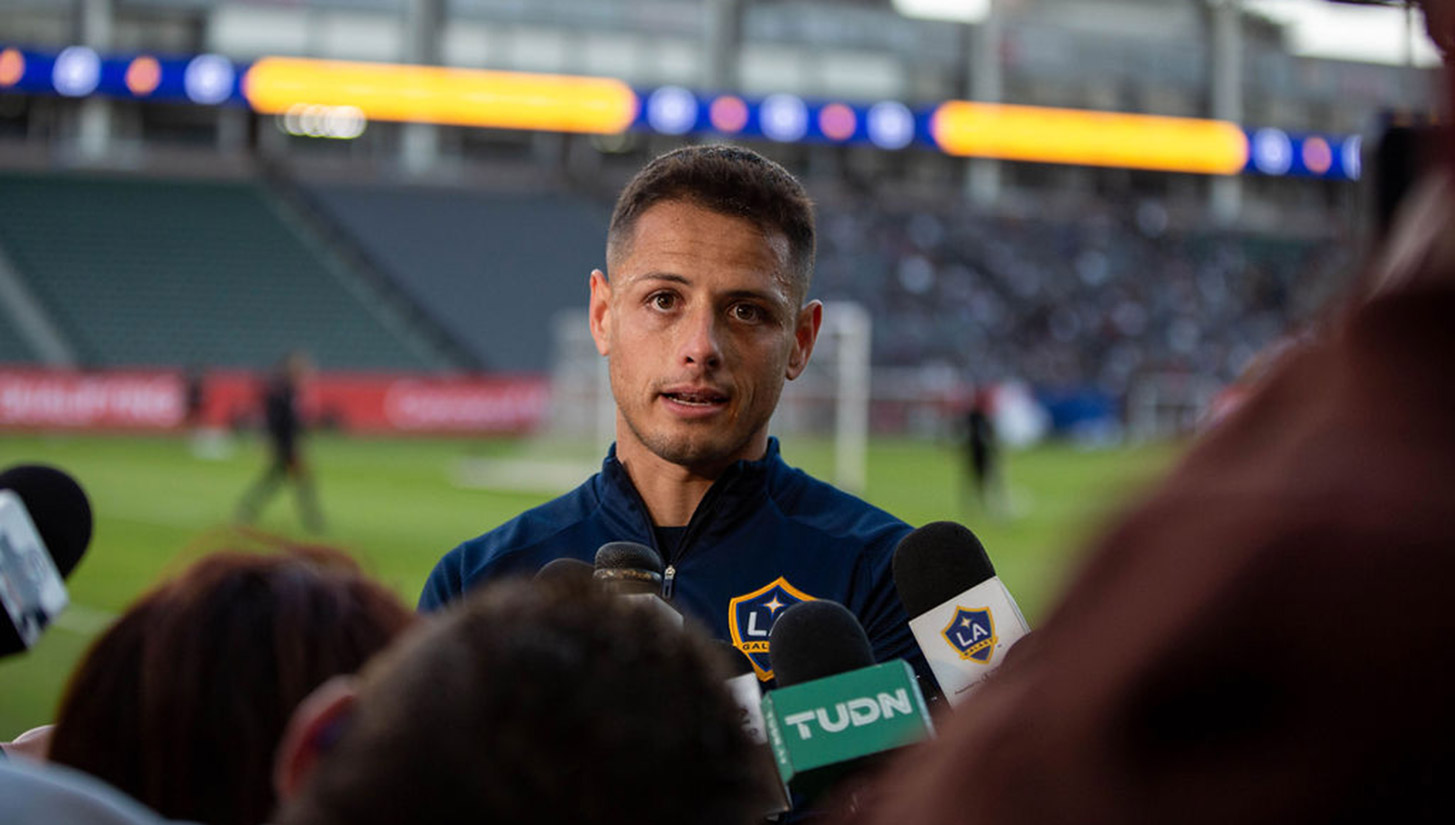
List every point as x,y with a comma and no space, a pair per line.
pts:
1372,31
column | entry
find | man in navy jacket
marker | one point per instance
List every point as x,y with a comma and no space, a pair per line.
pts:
703,318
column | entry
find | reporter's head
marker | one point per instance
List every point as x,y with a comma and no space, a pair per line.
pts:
544,702
181,703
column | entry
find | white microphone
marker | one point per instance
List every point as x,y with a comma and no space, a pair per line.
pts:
962,617
45,526
747,693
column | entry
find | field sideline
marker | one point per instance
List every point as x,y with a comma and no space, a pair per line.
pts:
393,504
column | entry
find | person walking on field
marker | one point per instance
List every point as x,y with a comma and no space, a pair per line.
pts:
283,423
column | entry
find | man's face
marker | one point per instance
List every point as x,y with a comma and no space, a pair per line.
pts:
701,325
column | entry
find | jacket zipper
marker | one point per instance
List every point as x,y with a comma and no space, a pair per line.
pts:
669,573
694,526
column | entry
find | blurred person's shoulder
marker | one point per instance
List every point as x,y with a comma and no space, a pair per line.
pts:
47,794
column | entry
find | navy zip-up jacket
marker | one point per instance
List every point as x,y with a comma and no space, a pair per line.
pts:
764,537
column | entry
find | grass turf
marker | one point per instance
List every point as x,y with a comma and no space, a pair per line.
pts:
394,506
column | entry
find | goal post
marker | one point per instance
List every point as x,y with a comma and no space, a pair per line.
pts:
830,400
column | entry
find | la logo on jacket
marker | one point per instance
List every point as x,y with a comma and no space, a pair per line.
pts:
751,617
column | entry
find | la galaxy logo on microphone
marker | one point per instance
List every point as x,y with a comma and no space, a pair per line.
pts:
972,634
751,617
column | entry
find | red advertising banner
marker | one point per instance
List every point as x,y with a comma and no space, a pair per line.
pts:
382,404
70,400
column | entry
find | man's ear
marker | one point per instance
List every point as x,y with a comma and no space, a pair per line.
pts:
805,333
312,730
601,311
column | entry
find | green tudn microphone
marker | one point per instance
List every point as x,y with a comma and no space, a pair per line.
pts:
835,714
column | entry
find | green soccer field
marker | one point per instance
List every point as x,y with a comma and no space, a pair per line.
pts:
397,506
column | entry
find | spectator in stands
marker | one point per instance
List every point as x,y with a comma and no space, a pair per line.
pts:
284,424
544,702
182,702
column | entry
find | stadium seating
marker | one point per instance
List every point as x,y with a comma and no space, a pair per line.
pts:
155,272
12,349
491,267
168,272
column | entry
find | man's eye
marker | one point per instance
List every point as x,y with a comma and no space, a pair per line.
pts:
748,312
663,300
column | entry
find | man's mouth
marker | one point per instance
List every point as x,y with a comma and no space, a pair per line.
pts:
696,398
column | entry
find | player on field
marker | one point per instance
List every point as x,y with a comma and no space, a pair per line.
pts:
283,423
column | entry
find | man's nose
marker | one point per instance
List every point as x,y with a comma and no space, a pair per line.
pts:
699,343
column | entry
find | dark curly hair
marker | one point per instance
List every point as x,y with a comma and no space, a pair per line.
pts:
729,180
544,703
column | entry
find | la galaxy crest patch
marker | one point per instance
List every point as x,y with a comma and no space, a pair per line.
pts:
751,617
972,634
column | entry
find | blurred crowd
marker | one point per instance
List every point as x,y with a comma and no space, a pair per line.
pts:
1086,301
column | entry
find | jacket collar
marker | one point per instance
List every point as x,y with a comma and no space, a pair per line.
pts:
741,488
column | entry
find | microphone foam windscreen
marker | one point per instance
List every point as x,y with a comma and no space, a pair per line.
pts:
565,571
815,639
936,563
628,555
58,507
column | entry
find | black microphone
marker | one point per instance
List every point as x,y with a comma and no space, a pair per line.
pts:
816,639
627,568
565,571
835,712
633,571
962,617
45,527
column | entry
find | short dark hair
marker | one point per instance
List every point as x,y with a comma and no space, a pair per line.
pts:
544,702
729,180
183,701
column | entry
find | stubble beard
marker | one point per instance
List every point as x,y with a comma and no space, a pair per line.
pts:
705,449
699,451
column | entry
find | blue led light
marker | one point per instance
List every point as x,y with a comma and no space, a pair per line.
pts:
783,118
891,125
1272,151
672,110
209,79
77,71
